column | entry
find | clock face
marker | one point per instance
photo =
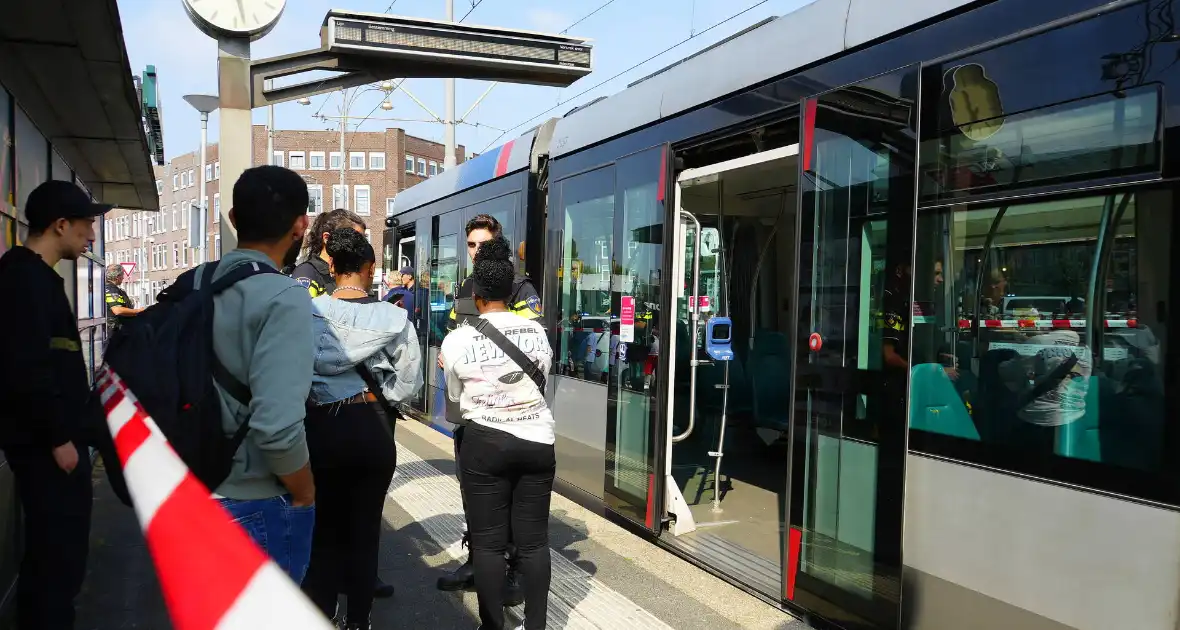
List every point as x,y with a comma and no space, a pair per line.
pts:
235,18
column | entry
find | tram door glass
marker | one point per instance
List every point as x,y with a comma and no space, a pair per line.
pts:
633,337
502,209
848,449
423,244
442,285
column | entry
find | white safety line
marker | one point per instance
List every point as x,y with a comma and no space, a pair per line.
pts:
577,601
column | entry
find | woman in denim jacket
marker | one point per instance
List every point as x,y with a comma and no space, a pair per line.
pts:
348,434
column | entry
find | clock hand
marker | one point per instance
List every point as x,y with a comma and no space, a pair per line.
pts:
242,9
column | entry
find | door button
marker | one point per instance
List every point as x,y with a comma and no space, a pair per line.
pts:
815,342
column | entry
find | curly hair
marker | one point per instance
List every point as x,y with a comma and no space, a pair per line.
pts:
493,271
350,251
329,222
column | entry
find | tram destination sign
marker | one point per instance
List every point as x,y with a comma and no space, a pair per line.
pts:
495,53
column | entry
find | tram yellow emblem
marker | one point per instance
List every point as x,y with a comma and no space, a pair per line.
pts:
975,102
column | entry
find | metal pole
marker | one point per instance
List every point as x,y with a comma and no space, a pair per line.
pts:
449,158
204,183
343,157
270,130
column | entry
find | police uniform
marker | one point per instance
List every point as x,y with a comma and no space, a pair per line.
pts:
45,403
891,323
116,296
523,301
315,276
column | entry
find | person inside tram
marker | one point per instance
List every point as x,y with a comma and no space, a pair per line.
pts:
367,359
507,460
524,302
315,272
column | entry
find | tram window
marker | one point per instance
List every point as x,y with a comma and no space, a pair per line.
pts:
584,279
503,209
1031,347
1058,106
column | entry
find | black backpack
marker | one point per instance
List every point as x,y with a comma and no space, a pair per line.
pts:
165,357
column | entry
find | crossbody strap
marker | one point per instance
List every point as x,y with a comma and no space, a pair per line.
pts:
1051,381
516,354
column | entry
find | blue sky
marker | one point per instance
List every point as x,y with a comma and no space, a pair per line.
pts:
158,32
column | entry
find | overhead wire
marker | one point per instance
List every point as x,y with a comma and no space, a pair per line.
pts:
604,82
474,4
588,15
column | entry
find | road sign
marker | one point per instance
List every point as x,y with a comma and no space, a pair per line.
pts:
128,269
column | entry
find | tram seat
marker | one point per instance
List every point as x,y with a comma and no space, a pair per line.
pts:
770,379
935,405
1082,438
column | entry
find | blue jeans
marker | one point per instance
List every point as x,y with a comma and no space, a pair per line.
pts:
281,529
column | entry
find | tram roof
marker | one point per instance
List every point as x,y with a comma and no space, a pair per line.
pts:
507,158
824,28
819,30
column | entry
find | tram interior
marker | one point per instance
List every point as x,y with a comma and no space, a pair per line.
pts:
748,218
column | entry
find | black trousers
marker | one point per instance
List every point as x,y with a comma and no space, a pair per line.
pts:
507,486
56,508
352,458
511,551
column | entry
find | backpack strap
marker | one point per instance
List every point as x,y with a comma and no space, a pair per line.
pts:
232,386
516,354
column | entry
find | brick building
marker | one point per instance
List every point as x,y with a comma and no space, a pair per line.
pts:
378,164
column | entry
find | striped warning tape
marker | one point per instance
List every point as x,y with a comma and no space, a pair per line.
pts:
1045,323
210,572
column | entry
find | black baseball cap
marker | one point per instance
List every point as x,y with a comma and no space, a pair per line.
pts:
406,271
57,199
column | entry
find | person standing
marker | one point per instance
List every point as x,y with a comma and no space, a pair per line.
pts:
119,304
44,403
262,334
315,273
495,371
406,292
524,302
366,352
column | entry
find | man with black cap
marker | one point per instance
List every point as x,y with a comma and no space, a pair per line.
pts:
44,404
404,293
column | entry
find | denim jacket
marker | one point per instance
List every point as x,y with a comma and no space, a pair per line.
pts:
378,334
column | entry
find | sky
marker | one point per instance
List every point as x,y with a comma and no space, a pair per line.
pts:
624,33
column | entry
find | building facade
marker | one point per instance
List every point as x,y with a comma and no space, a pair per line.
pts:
161,246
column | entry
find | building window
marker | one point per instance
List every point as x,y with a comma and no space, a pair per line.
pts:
175,182
217,170
356,161
422,167
297,161
184,253
159,186
175,216
334,160
339,195
362,200
208,172
389,207
316,160
217,245
277,158
192,178
175,255
315,198
409,164
217,207
376,161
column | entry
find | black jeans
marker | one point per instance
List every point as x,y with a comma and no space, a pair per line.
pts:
352,458
57,508
507,485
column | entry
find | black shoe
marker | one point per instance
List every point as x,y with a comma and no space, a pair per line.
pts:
513,593
461,579
381,590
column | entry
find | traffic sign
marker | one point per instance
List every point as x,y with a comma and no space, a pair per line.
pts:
128,269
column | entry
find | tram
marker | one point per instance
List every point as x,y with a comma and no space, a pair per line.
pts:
885,292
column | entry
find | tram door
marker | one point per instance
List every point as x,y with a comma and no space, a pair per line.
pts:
848,436
729,395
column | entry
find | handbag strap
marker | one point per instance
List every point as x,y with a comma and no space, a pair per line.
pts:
375,389
1051,381
516,354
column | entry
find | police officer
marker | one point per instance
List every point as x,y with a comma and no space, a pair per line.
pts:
315,272
523,301
45,404
119,304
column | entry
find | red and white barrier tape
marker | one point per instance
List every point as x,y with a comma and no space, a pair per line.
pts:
1045,323
212,574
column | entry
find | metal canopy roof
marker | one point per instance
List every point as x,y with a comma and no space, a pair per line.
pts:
66,63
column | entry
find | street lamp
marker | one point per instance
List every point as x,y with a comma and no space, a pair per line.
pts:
387,87
203,104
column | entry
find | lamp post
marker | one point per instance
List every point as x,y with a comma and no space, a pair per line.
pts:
203,104
346,102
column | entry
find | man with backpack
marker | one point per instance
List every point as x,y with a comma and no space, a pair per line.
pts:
45,403
223,363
